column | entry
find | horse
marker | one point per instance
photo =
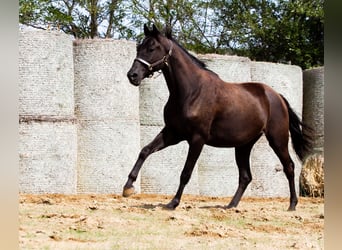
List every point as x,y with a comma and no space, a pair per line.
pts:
203,109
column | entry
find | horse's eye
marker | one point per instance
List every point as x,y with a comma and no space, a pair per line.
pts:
151,49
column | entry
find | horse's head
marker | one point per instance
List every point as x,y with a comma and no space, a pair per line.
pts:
152,55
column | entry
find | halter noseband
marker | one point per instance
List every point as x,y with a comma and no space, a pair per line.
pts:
150,66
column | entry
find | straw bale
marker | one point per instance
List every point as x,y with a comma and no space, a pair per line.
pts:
313,104
229,68
312,176
217,172
46,82
106,153
102,90
153,97
269,179
161,171
47,157
285,79
107,107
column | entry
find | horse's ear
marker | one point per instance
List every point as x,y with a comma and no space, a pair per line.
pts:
147,31
168,31
155,30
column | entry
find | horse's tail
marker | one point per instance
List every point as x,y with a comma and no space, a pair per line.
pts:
301,134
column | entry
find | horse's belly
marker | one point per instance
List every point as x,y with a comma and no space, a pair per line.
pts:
234,136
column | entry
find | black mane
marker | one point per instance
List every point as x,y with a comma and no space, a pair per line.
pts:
200,63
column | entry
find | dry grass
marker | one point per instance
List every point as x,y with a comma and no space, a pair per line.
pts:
312,176
140,222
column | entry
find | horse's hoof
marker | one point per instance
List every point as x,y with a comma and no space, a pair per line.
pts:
171,205
230,206
128,191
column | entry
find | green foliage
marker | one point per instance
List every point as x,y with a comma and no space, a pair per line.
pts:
289,31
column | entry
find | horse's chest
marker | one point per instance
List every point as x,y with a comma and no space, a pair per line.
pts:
185,121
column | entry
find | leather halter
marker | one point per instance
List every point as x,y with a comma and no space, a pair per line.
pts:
164,60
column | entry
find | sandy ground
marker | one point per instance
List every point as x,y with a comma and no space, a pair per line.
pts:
140,222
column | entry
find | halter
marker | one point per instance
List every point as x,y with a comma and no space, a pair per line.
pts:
164,60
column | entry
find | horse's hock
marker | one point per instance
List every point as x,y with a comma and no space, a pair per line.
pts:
82,124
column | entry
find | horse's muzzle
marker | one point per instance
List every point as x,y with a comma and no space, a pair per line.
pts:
133,78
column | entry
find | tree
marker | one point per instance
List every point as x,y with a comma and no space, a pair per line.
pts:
276,31
80,18
288,31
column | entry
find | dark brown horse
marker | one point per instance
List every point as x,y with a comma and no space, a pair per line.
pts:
203,109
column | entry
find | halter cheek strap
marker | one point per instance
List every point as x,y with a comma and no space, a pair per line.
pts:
164,60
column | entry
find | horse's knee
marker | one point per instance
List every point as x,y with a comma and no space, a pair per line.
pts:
145,151
245,178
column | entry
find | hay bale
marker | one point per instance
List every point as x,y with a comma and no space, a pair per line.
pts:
217,172
312,176
269,179
46,77
153,97
106,153
102,90
313,104
285,79
47,157
107,107
47,129
161,171
229,68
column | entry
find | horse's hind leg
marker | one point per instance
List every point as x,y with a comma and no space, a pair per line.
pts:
280,147
245,177
164,139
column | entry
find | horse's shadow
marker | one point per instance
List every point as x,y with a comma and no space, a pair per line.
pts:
149,206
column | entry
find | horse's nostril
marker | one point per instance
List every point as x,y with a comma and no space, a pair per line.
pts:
132,75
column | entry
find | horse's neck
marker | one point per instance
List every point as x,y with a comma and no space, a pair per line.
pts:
180,74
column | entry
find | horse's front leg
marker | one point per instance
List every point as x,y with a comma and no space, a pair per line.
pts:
195,148
164,139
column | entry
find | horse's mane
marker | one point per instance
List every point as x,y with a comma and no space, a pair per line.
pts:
192,57
197,61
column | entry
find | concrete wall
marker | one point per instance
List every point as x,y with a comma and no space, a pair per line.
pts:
98,122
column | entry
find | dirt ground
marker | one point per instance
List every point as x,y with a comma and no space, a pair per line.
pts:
140,222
